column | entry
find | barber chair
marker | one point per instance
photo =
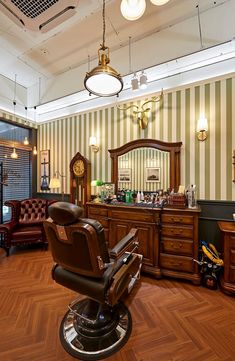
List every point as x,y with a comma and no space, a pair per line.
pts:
98,326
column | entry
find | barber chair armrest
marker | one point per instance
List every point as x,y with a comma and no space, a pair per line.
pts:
128,243
124,278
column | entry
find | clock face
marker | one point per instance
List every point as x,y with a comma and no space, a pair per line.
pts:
78,168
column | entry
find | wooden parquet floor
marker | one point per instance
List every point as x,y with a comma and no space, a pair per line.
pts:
172,320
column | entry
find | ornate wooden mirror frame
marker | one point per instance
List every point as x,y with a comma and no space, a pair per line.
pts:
172,148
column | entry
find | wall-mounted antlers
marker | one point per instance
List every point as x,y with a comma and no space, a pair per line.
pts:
142,112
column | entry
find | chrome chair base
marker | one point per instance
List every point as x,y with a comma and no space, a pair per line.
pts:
92,331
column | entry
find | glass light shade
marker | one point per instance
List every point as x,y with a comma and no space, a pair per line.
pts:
143,81
159,2
55,183
202,125
35,152
92,140
132,9
26,141
103,80
14,155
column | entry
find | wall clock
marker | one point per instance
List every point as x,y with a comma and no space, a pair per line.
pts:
80,180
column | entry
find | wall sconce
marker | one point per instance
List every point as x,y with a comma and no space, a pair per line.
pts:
93,144
141,112
202,128
56,183
35,152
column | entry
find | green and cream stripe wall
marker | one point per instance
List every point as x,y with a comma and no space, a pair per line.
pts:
207,164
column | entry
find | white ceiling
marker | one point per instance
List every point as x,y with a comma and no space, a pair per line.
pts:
52,65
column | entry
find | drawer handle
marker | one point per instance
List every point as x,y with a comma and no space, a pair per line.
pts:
176,232
176,245
176,220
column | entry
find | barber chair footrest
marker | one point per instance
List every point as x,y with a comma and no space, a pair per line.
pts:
93,331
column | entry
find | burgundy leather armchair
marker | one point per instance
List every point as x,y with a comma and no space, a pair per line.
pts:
26,224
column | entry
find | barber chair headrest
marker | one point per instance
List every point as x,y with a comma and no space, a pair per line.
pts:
64,213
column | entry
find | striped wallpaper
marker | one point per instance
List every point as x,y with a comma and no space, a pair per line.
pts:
208,164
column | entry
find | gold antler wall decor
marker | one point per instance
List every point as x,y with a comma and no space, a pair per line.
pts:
142,112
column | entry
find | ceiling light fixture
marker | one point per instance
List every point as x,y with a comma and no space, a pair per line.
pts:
26,141
14,155
134,9
103,80
134,83
143,80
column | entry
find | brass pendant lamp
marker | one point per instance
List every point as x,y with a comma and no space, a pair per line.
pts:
103,80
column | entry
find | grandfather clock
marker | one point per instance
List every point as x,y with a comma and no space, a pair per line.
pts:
80,180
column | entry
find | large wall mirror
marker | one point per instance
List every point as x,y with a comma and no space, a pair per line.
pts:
146,164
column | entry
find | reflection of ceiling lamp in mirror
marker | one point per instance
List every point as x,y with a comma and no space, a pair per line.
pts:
103,80
142,112
134,83
134,9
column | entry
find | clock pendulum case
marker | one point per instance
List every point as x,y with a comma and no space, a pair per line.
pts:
80,180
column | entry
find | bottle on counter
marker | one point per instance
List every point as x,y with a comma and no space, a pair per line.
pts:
138,197
142,196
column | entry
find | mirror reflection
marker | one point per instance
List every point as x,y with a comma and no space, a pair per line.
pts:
144,169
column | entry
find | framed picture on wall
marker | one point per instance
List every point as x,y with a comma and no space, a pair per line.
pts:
45,169
124,175
153,174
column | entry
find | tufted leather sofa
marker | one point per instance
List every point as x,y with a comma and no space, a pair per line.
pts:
26,224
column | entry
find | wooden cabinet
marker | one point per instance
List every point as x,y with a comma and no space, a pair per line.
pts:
118,220
179,244
168,239
227,280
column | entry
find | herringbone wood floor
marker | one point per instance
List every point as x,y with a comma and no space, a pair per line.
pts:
172,320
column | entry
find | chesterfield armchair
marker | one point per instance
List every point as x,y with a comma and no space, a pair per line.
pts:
99,325
26,224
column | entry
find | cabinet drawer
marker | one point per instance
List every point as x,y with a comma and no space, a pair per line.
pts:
177,263
175,218
93,211
173,231
177,246
133,216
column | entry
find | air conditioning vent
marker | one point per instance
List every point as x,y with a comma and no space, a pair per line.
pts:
38,15
33,8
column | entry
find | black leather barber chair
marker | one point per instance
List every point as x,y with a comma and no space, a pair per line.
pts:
95,327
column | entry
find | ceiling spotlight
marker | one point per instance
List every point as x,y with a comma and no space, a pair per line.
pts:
132,9
159,2
134,83
143,80
103,80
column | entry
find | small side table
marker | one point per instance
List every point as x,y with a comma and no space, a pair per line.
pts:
227,280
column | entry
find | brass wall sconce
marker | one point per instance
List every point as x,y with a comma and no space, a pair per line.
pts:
93,144
202,128
142,112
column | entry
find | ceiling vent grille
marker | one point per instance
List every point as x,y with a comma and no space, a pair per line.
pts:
38,15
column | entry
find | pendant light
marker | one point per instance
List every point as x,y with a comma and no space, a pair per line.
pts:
103,80
14,155
133,9
26,141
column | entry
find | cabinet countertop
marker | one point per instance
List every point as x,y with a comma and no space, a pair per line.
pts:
227,226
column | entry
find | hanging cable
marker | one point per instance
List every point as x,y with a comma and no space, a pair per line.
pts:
199,25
